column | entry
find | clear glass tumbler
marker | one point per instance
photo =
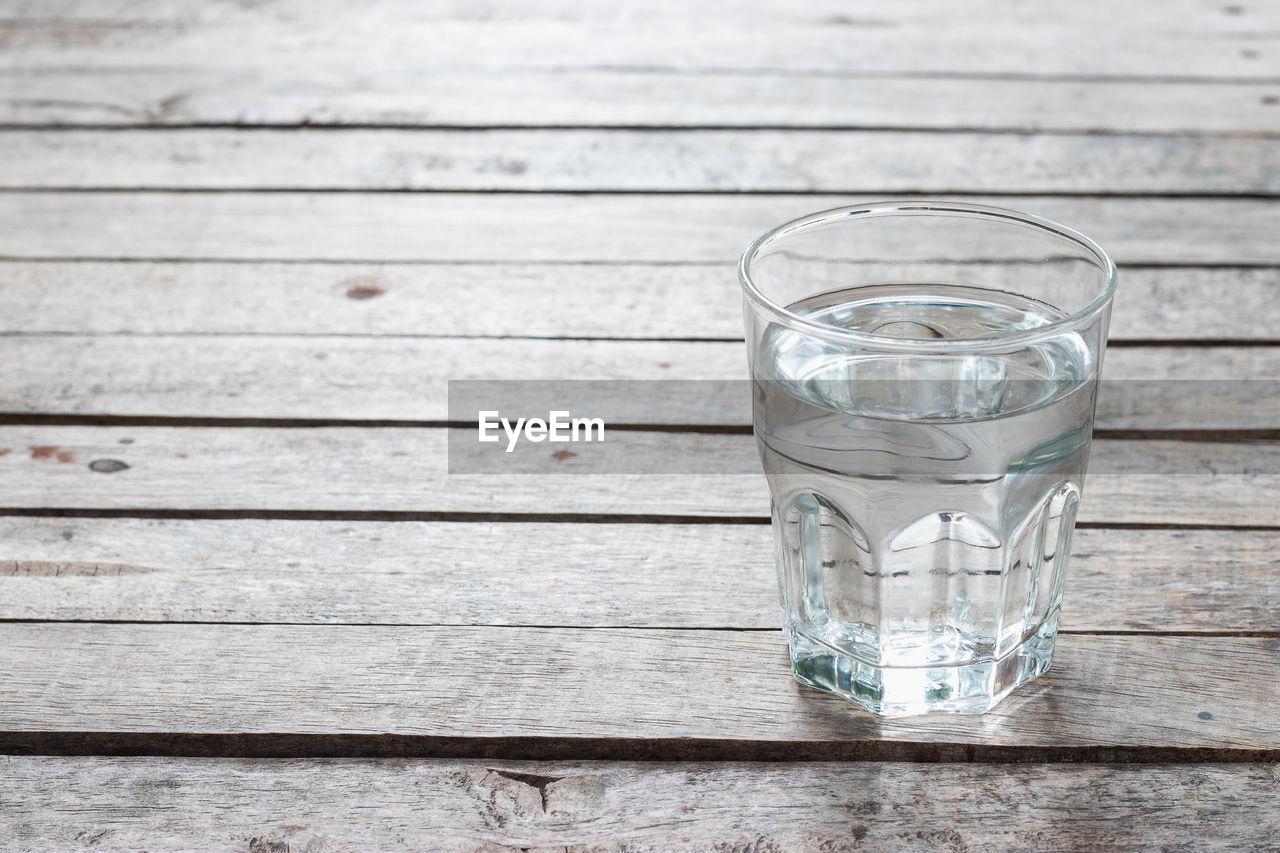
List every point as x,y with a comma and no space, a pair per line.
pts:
924,379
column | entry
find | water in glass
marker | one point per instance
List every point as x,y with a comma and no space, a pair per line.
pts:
923,501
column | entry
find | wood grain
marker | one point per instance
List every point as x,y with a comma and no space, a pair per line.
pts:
389,42
599,693
316,96
649,382
688,301
703,161
1178,15
405,470
452,805
577,575
551,227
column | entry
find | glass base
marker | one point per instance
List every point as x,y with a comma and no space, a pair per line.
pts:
895,691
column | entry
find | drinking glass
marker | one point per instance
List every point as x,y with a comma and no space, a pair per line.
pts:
924,379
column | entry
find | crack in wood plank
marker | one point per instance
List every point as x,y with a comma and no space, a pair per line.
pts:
67,569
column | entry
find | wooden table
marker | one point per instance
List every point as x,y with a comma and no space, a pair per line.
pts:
244,247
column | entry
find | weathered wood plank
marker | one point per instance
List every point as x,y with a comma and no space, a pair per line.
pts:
1174,14
617,301
769,161
244,97
577,575
551,227
392,43
627,686
356,805
405,470
407,379
361,378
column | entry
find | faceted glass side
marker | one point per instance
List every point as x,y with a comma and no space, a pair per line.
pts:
945,614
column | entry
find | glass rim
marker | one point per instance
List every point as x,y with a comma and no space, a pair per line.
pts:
926,207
